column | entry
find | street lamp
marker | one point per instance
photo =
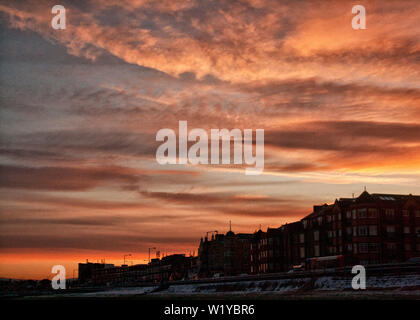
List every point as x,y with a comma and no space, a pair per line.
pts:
153,248
127,255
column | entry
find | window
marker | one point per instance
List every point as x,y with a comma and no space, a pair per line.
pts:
362,213
417,213
373,247
372,213
329,218
331,234
406,229
373,230
348,214
391,246
316,251
320,220
418,231
353,212
305,223
363,247
406,213
389,213
362,231
354,231
339,216
302,252
348,230
302,238
316,235
390,229
350,247
407,247
339,233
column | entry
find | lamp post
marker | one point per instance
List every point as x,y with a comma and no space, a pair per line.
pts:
153,248
127,255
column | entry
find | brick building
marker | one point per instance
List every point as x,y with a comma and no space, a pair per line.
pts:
370,229
172,267
293,245
267,251
278,249
225,255
86,271
385,228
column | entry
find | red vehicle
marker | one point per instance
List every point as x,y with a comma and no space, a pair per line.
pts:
324,263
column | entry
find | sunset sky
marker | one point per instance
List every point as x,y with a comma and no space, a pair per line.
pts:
80,109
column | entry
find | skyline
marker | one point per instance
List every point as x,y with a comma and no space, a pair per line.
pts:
81,108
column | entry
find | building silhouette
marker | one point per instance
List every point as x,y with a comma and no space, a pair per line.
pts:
224,254
370,229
